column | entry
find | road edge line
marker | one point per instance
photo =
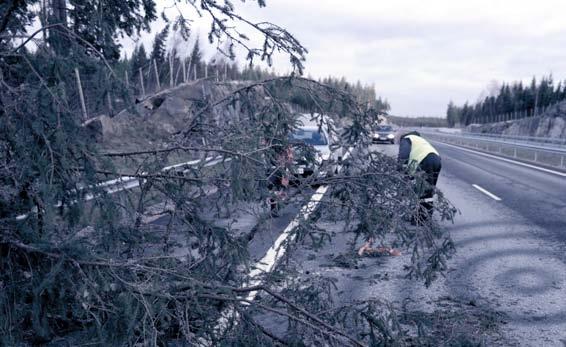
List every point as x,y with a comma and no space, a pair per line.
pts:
486,192
269,261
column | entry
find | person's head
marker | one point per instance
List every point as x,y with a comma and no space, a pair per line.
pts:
414,132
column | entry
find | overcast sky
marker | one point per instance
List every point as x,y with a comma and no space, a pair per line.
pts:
421,54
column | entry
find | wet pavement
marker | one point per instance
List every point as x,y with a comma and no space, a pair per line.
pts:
510,252
506,285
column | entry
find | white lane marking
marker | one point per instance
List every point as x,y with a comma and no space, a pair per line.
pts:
561,174
278,249
491,195
272,256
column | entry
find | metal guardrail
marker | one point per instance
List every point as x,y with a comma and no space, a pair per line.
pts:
554,157
129,182
515,141
550,142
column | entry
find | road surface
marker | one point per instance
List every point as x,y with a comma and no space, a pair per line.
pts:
507,283
511,251
505,286
538,196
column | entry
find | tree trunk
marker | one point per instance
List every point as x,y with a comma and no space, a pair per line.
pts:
57,37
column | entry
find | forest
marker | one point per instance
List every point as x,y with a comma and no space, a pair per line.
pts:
509,101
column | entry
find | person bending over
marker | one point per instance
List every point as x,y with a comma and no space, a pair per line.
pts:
418,158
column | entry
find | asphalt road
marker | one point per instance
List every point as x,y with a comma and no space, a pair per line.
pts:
510,266
506,284
539,197
511,251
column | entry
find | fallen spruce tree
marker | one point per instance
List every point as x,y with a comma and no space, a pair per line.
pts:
79,264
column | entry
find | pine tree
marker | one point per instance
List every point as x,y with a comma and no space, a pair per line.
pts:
517,100
138,61
16,17
97,23
546,90
196,60
158,52
451,114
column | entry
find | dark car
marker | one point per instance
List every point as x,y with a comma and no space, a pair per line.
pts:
384,134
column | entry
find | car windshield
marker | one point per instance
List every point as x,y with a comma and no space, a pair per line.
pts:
384,128
310,137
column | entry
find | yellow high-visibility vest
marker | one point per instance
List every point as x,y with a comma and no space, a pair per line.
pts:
420,148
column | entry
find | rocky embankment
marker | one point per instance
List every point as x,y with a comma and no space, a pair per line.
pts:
152,122
551,123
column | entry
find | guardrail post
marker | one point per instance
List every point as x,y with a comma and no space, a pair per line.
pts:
514,152
562,161
536,156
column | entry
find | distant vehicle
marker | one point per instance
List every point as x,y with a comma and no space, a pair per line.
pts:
383,133
320,161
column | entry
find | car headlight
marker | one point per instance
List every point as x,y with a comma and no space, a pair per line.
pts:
390,136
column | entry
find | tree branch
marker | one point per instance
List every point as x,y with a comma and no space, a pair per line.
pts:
13,6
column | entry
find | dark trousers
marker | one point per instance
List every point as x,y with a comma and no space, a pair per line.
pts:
275,185
431,166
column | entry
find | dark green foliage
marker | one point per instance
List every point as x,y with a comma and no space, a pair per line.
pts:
15,17
73,267
110,284
305,102
139,60
100,23
158,52
78,263
512,101
365,95
182,25
418,121
196,59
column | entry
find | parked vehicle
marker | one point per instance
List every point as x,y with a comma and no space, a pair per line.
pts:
313,149
384,133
